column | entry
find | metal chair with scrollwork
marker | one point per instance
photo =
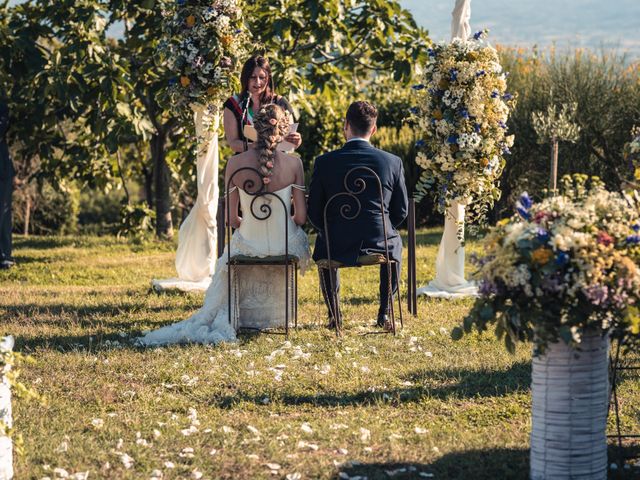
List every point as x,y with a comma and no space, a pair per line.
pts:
290,263
349,210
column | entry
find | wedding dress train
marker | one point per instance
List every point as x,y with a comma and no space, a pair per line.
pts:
255,288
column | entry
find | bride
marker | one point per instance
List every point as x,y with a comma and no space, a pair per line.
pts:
282,175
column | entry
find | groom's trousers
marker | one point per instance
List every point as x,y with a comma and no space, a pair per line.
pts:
325,286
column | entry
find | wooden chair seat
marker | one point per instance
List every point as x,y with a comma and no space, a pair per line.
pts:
272,260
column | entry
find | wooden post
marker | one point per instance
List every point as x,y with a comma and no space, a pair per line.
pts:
221,226
554,165
412,298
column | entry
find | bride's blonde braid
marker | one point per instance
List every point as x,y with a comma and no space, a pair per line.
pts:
271,124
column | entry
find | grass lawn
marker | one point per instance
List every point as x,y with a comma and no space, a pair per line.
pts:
415,406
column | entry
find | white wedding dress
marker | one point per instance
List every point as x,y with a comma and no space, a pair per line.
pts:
260,301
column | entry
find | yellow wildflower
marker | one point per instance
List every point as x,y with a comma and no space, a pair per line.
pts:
191,21
184,81
541,255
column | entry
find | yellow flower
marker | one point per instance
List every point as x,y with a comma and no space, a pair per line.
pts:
437,114
226,40
484,162
191,21
184,81
541,255
636,174
211,90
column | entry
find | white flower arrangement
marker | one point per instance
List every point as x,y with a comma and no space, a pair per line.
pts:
203,45
462,114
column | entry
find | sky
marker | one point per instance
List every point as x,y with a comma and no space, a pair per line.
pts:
596,24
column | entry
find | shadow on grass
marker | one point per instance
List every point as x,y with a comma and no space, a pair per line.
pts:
489,464
457,384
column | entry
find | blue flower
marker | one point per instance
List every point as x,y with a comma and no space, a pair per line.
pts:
562,259
506,151
464,113
173,81
476,127
449,176
525,200
418,87
542,235
523,213
479,35
507,96
502,124
452,139
495,94
636,228
181,2
239,30
633,239
480,73
420,143
431,52
414,110
453,74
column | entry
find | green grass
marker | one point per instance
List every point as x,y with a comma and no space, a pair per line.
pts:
366,405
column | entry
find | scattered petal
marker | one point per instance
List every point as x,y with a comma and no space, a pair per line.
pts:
126,460
365,434
306,428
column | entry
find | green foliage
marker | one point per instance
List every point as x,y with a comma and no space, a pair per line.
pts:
51,210
556,124
605,89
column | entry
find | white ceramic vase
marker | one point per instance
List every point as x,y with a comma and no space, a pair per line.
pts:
570,394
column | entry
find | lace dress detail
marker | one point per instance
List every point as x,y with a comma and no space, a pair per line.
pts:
256,238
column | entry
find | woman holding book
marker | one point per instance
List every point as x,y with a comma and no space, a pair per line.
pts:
257,91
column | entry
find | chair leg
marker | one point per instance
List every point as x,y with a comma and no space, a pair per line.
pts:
390,296
295,299
286,299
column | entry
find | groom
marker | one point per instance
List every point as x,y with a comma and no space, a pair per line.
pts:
364,234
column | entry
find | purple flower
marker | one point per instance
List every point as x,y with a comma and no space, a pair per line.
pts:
495,94
464,113
506,151
480,73
487,288
452,139
635,228
418,87
597,294
502,124
453,74
431,52
507,96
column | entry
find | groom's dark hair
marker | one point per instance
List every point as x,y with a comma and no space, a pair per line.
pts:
361,116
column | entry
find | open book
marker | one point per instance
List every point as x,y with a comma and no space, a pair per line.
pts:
250,133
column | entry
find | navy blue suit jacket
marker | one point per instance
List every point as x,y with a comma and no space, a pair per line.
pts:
363,235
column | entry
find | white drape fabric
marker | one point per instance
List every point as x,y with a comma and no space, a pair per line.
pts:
450,281
197,240
461,15
6,445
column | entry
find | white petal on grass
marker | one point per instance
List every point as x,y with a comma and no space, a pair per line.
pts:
307,446
325,369
186,452
420,430
97,423
395,436
60,473
253,430
305,427
338,426
156,433
428,354
156,474
213,451
126,460
443,331
253,456
80,476
365,369
227,429
188,431
293,476
169,465
197,474
365,434
343,451
273,466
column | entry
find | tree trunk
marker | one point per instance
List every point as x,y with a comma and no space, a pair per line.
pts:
554,165
27,211
162,184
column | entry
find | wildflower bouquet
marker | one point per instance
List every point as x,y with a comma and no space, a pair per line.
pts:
560,267
631,152
204,43
462,114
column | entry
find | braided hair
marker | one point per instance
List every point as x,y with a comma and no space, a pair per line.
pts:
271,124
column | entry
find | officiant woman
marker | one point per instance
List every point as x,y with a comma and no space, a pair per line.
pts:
257,90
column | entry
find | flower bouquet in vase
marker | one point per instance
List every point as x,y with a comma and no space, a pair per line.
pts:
463,107
563,274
